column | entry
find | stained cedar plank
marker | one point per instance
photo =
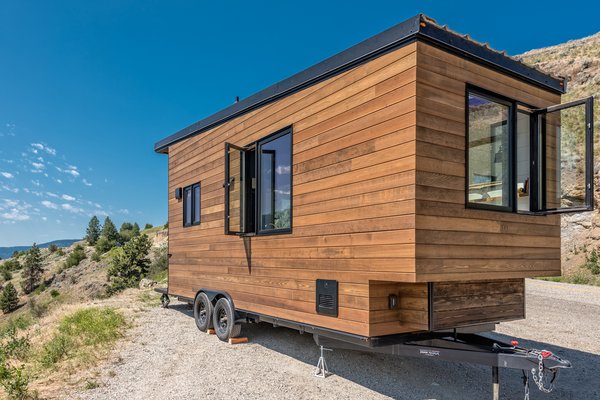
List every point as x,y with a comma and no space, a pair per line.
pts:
449,266
431,55
443,277
434,237
445,223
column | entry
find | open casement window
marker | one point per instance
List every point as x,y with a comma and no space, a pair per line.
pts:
234,190
562,154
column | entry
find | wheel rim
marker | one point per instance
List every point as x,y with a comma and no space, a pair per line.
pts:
222,320
202,312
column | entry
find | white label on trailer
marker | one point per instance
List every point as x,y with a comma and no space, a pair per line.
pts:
429,353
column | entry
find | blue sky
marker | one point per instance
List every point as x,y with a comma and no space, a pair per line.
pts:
86,88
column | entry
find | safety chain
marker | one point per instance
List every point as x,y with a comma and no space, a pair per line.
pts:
526,384
538,376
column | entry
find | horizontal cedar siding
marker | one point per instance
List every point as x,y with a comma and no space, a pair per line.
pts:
452,242
354,200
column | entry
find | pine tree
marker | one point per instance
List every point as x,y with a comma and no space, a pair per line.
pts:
93,231
9,299
109,231
32,269
130,264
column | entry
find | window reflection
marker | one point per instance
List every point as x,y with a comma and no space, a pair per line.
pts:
488,152
275,183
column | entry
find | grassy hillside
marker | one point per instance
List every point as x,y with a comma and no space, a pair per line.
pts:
579,62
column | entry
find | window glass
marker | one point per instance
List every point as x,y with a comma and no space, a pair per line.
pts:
523,160
187,206
196,196
275,183
488,152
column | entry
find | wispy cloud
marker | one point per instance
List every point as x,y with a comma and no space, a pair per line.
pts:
86,182
50,205
10,189
68,198
7,175
123,211
41,147
71,170
38,166
50,194
70,208
14,210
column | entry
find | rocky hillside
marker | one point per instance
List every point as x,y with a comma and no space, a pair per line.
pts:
579,62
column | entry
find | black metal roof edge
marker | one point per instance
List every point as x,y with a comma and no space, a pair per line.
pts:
388,40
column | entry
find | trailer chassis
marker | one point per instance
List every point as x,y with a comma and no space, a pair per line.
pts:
446,345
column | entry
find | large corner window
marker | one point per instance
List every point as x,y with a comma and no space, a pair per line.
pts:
529,160
258,186
191,205
489,155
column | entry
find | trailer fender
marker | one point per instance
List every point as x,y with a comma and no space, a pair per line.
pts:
214,295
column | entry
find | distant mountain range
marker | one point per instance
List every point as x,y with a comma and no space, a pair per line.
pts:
6,252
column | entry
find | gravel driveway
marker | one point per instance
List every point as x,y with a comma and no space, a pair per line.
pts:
168,358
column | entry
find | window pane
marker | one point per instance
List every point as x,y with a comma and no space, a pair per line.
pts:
187,206
565,133
235,190
196,204
488,152
523,160
275,183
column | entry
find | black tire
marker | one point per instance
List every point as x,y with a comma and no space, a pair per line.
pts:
224,320
203,312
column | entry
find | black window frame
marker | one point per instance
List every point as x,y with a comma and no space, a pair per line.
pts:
537,143
256,147
512,122
192,189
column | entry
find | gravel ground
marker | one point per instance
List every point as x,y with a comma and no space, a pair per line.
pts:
167,357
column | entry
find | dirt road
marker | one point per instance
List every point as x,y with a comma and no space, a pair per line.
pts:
166,357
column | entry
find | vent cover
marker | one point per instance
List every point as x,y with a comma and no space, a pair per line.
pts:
327,297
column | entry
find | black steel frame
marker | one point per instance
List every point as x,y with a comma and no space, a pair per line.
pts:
478,91
257,167
192,188
539,206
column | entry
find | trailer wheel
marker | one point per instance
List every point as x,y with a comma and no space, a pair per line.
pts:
203,310
224,320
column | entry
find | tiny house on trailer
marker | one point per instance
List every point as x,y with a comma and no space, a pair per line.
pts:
406,185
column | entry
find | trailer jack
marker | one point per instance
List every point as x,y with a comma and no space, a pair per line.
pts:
464,347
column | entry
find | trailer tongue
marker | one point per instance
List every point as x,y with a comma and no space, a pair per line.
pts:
463,347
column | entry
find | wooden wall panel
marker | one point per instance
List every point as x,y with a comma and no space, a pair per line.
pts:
452,241
457,304
353,195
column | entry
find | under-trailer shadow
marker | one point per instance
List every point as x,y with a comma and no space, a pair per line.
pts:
422,378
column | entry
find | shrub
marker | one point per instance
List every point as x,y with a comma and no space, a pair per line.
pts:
96,257
60,252
104,244
128,231
11,265
38,290
75,257
53,248
37,310
6,274
13,378
148,226
55,350
54,293
159,264
130,264
591,262
9,299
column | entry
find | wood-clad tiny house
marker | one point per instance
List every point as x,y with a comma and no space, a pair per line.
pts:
409,183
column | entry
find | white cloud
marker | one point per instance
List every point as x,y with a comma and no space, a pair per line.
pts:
9,189
49,204
67,197
123,211
38,165
39,146
15,214
44,218
70,208
283,169
50,194
7,175
71,170
86,183
35,183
